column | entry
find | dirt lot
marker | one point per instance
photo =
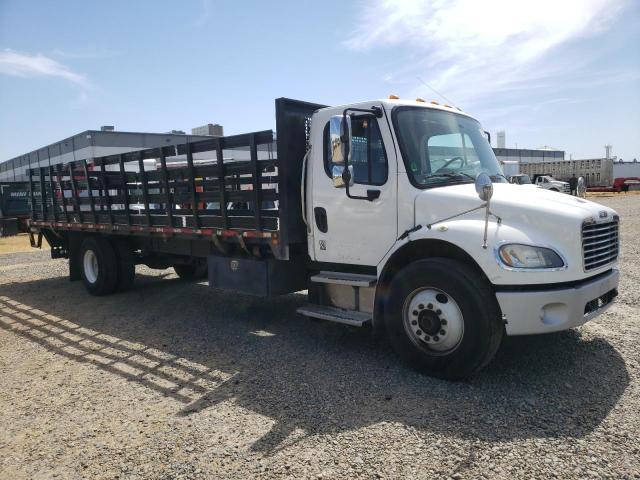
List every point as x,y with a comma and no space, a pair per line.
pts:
172,380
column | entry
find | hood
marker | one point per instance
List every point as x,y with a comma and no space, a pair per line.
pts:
513,203
531,216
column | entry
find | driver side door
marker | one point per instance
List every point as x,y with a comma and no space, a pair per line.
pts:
348,230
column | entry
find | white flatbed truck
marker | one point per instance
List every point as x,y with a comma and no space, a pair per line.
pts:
391,213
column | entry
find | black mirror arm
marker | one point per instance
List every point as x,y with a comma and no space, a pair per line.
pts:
377,111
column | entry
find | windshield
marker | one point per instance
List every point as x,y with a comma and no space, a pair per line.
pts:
443,148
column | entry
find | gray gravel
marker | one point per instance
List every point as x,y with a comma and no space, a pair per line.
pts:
174,380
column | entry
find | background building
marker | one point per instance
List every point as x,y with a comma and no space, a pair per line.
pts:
211,129
89,144
523,155
626,169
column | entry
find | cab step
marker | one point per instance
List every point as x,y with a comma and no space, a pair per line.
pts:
342,278
338,315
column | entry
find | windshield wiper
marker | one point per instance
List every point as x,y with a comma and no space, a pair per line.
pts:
451,175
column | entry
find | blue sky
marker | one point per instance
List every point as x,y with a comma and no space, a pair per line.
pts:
559,73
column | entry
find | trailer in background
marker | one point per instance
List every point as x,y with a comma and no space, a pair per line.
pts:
620,184
14,207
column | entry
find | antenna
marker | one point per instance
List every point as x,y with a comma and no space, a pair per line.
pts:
436,92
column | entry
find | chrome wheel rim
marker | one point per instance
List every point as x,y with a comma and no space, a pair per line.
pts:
90,263
433,320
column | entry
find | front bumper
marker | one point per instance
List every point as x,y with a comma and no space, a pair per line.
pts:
541,311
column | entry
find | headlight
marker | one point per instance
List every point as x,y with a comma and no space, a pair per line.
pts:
525,256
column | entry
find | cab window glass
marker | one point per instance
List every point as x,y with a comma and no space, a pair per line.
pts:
368,157
444,151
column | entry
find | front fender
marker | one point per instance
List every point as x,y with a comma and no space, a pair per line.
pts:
467,235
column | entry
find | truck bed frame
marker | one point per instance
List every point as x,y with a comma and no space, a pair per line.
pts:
241,189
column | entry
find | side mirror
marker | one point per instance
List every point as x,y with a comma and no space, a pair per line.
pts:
484,186
342,177
340,136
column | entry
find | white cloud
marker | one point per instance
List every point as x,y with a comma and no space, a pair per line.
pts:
469,47
26,65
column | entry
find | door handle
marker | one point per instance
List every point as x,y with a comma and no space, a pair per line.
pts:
320,215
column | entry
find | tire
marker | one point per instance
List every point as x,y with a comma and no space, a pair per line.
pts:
421,296
197,270
99,266
126,264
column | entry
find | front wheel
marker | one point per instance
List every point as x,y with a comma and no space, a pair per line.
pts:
443,318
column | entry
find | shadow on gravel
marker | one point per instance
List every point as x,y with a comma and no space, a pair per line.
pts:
201,347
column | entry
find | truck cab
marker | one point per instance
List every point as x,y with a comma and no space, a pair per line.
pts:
402,232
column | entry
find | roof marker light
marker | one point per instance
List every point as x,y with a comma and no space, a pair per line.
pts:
448,106
433,102
420,100
394,97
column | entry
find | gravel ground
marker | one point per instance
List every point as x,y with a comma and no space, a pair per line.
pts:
172,380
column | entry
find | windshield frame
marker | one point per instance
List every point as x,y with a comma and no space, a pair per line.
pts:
405,159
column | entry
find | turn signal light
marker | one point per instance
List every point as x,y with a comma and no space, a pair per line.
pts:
394,97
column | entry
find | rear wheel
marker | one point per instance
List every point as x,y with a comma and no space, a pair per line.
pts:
196,270
443,318
99,266
126,264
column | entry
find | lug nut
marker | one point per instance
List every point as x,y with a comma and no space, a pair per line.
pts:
436,338
427,338
430,306
414,322
443,322
442,332
438,312
421,306
418,332
415,312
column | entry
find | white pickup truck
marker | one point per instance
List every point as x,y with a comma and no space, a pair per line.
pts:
393,214
549,183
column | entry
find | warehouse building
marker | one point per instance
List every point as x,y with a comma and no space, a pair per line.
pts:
524,155
90,144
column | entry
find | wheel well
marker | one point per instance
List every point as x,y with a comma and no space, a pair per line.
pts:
417,250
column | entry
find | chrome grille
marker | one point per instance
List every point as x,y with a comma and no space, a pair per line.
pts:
600,244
